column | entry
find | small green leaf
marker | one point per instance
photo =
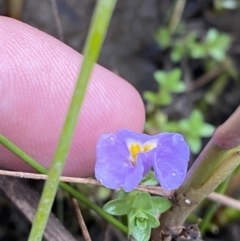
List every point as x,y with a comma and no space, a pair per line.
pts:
194,143
118,206
141,215
141,220
217,44
164,97
217,54
153,222
141,234
196,119
160,76
207,130
177,52
197,51
150,179
150,97
141,223
174,77
170,126
184,126
160,205
142,202
137,230
163,37
131,216
121,194
212,35
179,87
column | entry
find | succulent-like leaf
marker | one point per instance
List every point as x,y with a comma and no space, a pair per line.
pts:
160,76
173,78
141,234
153,222
141,220
142,202
164,97
179,87
160,205
118,206
194,143
207,130
163,37
150,97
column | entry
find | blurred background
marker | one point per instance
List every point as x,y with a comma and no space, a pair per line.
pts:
183,56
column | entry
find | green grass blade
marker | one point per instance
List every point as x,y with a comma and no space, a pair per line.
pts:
98,29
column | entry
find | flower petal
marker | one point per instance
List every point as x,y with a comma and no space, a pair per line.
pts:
147,161
114,168
133,176
129,136
171,160
111,165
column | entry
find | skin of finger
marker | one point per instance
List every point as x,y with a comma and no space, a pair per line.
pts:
37,77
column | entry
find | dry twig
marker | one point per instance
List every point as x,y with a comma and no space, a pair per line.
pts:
220,198
207,77
151,189
80,219
224,200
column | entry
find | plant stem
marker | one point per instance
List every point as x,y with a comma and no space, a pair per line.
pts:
31,162
98,29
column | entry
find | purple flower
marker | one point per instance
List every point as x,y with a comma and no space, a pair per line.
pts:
124,158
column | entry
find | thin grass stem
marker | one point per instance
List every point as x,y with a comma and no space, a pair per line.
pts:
76,194
98,29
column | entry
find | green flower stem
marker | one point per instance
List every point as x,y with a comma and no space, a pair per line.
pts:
31,162
216,162
98,29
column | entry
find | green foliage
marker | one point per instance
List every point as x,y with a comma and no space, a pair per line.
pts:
193,128
181,46
214,44
169,82
163,37
141,210
212,48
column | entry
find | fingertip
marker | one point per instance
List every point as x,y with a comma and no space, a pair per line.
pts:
38,74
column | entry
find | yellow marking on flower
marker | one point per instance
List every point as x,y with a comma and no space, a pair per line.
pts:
136,148
148,147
